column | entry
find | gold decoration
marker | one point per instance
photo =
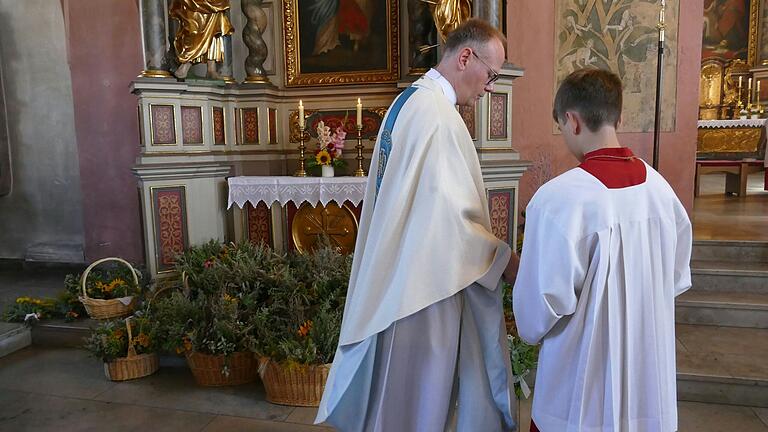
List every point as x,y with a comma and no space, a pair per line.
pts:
449,14
711,84
155,74
729,140
338,223
295,77
754,24
202,25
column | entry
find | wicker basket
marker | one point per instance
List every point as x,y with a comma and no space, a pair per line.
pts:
134,365
209,370
105,309
295,385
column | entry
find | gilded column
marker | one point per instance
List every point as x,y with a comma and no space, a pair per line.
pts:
257,49
153,25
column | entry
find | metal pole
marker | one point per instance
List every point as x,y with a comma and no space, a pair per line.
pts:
659,81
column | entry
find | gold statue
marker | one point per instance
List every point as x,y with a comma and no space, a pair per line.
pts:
449,14
200,38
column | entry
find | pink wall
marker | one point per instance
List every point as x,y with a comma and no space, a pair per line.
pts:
531,46
105,56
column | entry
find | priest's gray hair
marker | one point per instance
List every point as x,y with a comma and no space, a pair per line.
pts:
473,33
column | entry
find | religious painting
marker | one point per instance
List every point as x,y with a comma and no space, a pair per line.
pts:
763,28
621,36
331,42
726,29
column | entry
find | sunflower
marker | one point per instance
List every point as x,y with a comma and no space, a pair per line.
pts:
323,157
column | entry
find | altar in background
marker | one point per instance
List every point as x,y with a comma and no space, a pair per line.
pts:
197,132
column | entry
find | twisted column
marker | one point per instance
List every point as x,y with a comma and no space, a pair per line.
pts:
254,27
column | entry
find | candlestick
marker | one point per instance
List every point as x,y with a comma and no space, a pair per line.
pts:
359,147
359,113
301,172
301,114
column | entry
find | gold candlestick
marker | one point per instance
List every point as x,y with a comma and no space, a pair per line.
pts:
359,147
301,172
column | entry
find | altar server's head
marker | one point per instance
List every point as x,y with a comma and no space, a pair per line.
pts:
587,109
472,58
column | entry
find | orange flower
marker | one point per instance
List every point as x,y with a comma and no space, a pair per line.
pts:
305,328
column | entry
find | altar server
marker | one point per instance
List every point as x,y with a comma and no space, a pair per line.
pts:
607,249
423,343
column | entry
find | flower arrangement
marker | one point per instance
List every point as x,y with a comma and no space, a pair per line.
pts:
107,283
224,285
329,146
302,320
524,357
109,340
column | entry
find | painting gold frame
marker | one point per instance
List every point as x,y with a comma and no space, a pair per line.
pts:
296,78
754,27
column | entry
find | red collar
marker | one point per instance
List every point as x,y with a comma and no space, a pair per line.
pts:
615,167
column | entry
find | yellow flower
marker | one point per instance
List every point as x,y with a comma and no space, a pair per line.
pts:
323,158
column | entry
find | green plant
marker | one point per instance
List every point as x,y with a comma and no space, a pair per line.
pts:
524,357
24,306
107,282
109,340
301,321
224,285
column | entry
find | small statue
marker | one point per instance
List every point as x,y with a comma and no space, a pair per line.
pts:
449,14
203,24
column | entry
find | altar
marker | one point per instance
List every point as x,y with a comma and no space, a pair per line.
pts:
734,147
220,142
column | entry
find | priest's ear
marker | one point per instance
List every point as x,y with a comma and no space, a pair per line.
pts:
573,122
462,58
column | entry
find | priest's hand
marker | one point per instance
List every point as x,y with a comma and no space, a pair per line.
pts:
510,273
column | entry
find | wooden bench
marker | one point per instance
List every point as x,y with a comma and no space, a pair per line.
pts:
736,173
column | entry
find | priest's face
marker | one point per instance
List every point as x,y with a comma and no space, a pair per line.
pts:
480,73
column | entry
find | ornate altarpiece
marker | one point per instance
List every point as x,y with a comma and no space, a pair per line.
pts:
197,133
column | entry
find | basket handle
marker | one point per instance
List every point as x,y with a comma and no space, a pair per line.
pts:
131,349
134,272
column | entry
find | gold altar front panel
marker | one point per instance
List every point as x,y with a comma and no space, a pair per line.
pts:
741,142
338,223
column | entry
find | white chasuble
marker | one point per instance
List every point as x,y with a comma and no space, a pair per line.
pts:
424,237
599,273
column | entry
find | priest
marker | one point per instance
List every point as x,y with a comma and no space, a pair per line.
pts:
423,343
607,249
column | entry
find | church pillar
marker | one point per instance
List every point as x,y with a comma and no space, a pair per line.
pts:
489,10
257,49
153,25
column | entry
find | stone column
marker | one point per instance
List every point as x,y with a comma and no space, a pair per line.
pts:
254,27
421,33
153,25
489,10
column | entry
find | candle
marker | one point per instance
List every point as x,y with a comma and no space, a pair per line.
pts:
301,114
757,95
359,113
740,82
749,84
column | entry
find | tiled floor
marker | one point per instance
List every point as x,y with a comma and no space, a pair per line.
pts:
717,216
65,390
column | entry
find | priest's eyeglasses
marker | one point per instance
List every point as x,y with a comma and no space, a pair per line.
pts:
493,76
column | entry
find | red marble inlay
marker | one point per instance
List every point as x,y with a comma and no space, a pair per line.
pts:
192,125
499,204
260,224
250,125
468,114
170,223
498,116
163,124
218,125
272,126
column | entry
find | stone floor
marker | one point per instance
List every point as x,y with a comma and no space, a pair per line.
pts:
63,389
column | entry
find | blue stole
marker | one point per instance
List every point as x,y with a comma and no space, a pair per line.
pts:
385,147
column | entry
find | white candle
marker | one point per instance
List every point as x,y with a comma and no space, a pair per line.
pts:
301,114
757,95
749,84
740,81
359,113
